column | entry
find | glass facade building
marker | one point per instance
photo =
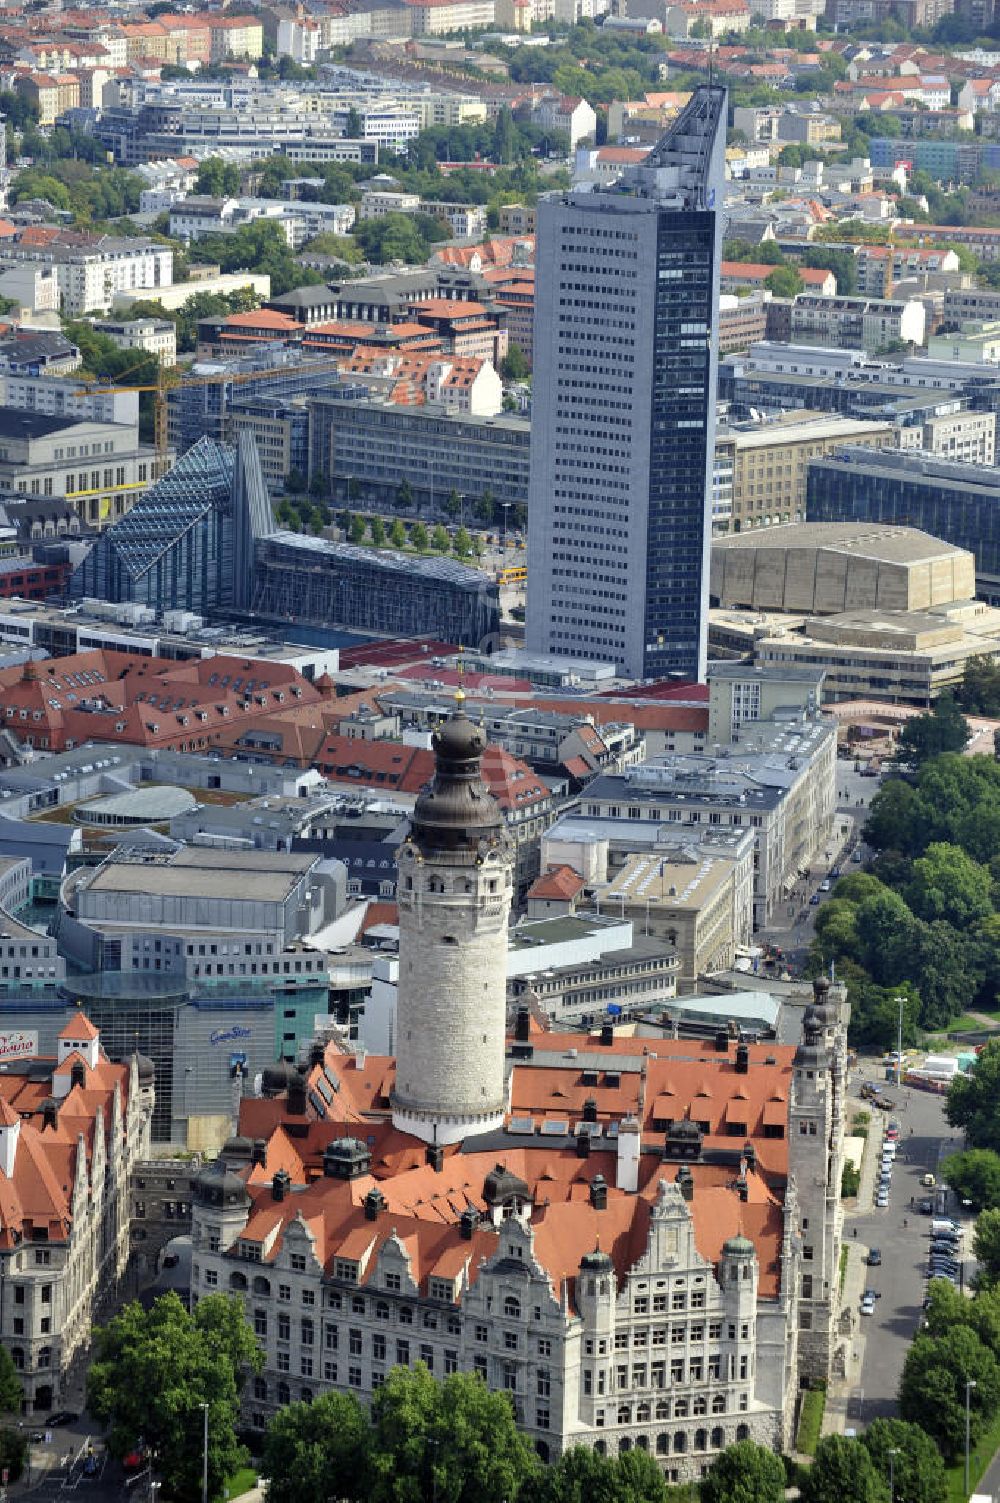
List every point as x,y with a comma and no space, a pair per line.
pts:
959,503
625,365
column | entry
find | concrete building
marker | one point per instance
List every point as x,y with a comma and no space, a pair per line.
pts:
584,966
955,502
620,519
686,901
73,1127
98,467
739,697
823,568
157,336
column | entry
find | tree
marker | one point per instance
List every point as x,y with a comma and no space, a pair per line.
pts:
153,1371
973,1101
452,504
13,1452
217,178
942,729
784,281
885,928
355,125
11,1387
318,1451
377,529
842,1469
455,1440
462,543
356,529
979,691
418,536
947,884
404,494
514,366
397,534
932,1390
917,1469
486,506
582,1476
986,1242
974,1176
891,823
744,1473
295,482
440,541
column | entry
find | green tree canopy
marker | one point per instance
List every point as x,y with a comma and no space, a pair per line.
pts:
784,281
318,1451
932,1390
986,1242
455,1440
917,1469
942,729
842,1469
154,1369
974,1176
973,1101
744,1473
979,691
11,1387
947,884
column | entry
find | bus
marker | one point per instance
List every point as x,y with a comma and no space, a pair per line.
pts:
515,574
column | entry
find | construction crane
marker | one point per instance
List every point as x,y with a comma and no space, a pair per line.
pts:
169,379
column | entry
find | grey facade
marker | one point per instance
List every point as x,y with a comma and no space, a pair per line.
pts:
624,414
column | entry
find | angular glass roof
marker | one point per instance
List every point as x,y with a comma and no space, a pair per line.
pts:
199,482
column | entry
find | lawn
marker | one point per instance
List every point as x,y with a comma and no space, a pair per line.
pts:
241,1482
979,1460
843,1265
810,1421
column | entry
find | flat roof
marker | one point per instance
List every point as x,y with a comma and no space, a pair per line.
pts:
205,872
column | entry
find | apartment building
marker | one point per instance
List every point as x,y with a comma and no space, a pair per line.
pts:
156,336
857,323
92,274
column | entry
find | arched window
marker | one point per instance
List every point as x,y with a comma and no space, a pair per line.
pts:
261,1285
605,1286
284,1394
662,1444
307,1395
624,1445
663,1409
237,1281
742,1432
718,1403
642,1442
511,1307
17,1357
701,1440
435,885
699,1405
624,1414
718,1438
642,1414
680,1443
542,1447
600,1448
45,1357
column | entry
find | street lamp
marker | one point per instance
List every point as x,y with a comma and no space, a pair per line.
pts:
204,1456
899,1043
970,1384
893,1453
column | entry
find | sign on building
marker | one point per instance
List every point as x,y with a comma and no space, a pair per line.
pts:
18,1043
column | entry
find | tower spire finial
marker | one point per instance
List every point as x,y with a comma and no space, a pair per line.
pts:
460,692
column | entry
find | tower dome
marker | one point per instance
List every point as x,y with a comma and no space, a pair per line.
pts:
216,1186
454,894
596,1262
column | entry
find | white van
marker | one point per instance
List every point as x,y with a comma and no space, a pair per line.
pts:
945,1229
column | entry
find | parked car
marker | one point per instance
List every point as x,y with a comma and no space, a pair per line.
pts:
824,886
868,1304
874,1257
856,856
925,1207
882,1199
814,900
928,1181
835,873
61,1417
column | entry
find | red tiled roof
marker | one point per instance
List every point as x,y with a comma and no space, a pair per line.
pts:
558,883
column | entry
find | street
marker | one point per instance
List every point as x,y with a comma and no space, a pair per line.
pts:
884,1338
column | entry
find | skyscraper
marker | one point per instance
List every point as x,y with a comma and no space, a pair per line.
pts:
623,423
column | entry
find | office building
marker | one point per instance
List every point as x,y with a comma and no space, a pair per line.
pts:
857,323
378,444
959,503
620,513
683,1192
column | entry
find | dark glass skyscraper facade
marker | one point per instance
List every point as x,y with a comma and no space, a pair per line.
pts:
623,434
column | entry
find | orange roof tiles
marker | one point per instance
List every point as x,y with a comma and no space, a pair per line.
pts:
558,882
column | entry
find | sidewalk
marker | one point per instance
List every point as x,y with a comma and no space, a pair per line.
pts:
841,1389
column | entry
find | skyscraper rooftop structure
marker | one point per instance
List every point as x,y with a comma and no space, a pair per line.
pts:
623,422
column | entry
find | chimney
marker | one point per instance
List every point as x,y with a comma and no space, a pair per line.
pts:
742,1059
374,1203
742,1189
435,1156
297,1096
280,1185
522,1027
685,1182
583,1145
259,1153
750,1155
467,1223
722,1041
629,1148
590,1109
607,1033
599,1193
